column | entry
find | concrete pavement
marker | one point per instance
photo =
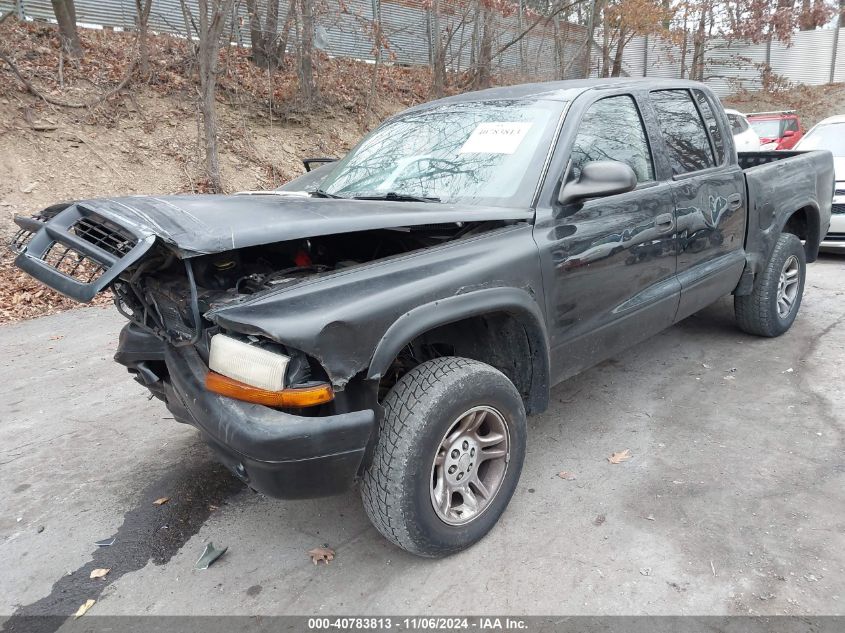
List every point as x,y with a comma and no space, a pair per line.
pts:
732,503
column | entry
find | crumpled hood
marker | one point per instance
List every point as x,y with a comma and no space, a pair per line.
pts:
203,224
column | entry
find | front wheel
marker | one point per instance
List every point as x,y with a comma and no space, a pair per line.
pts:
448,457
772,306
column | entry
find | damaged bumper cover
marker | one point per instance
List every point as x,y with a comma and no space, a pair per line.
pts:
282,455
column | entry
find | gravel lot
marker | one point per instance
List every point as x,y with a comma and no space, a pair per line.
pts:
733,501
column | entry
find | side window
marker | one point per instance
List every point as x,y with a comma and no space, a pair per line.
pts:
683,130
612,130
712,125
738,124
792,125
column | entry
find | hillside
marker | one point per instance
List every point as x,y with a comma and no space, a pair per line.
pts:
143,139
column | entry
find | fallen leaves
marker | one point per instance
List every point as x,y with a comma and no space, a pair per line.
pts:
324,554
161,501
83,609
22,297
621,456
565,474
99,572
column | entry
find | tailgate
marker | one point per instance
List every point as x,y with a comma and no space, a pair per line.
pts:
76,251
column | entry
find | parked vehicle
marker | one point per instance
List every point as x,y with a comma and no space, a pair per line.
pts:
396,324
829,135
745,138
777,130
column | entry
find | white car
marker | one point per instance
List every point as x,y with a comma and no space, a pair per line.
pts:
745,138
829,134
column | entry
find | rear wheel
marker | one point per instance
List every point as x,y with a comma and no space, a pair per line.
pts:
772,306
448,457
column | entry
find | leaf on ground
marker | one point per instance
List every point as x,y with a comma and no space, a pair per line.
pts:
565,474
161,501
83,609
621,456
99,572
321,554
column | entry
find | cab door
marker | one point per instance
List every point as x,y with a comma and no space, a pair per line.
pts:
608,263
709,192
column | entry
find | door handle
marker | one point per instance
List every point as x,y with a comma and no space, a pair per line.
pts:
665,221
735,201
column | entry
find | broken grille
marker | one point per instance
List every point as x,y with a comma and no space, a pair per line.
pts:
104,235
25,233
72,263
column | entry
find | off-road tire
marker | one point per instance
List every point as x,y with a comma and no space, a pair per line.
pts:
418,412
757,313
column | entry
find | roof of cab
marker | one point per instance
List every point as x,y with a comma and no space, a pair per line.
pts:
561,90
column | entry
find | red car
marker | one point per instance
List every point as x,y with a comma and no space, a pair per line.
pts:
777,130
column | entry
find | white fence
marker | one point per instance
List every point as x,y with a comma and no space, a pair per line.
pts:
812,58
550,51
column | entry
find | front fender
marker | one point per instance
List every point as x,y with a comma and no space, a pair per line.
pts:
342,319
513,301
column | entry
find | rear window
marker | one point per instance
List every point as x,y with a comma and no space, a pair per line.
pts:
712,125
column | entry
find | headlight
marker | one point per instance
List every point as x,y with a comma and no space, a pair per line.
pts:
247,363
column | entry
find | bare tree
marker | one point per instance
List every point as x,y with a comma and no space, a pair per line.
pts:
209,29
438,57
307,87
268,44
66,17
484,64
143,8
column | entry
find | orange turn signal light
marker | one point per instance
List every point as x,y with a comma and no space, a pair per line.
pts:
295,398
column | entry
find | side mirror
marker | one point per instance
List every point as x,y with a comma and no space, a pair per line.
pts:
598,179
788,133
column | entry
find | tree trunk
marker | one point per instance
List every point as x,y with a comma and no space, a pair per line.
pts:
616,71
697,69
264,37
592,14
438,57
143,8
484,70
307,89
209,30
66,17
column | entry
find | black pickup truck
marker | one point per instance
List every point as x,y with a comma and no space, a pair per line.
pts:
393,317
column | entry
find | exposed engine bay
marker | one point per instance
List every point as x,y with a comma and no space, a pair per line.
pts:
169,295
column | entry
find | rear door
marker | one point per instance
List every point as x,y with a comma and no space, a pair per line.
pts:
608,263
709,195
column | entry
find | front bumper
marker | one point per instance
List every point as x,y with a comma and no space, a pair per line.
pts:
277,453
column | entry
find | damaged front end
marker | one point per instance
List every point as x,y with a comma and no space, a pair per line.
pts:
307,433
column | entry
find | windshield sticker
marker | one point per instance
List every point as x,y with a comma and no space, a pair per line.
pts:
495,138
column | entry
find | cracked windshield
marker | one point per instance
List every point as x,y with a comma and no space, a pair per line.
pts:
470,152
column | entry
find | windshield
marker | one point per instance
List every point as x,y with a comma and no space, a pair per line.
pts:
479,152
767,128
830,137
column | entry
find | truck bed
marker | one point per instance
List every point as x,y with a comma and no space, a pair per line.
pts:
779,183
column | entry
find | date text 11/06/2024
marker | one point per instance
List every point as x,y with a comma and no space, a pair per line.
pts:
417,624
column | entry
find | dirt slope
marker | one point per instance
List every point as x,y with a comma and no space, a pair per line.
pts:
144,140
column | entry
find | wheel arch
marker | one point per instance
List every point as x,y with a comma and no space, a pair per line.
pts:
805,223
511,309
